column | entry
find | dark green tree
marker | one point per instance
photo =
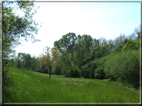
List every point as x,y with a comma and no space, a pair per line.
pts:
88,70
21,60
131,45
99,73
13,28
125,67
67,46
27,61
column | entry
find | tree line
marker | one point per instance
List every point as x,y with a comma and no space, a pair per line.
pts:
83,56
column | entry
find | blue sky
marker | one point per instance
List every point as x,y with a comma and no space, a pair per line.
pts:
98,19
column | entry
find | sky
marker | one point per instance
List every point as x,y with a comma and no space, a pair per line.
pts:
98,19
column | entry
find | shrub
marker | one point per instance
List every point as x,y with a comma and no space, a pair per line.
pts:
57,70
88,70
99,73
125,67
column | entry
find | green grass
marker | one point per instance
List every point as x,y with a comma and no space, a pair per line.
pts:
33,87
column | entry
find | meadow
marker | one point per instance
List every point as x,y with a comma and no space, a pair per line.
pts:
34,87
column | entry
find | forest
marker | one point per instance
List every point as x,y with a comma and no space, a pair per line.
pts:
83,56
77,56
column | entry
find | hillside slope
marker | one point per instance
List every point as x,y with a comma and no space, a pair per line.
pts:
33,87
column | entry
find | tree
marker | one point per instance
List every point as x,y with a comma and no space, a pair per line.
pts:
76,51
45,61
99,73
56,55
35,65
88,70
14,27
84,50
118,48
48,60
125,67
56,61
21,60
27,61
131,45
102,41
67,46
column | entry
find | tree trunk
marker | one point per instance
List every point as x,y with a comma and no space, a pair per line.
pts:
49,68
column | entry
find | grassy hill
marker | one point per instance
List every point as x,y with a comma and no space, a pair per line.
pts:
33,87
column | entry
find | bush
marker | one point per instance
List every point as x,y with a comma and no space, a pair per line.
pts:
72,71
57,70
99,73
88,70
7,82
131,45
118,48
125,67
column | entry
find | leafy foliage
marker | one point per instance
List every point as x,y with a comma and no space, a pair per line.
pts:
125,67
26,61
99,73
83,56
13,28
131,45
88,70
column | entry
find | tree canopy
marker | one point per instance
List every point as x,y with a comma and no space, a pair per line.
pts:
15,27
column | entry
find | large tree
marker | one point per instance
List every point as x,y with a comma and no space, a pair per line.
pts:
14,27
49,62
76,51
46,61
67,46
